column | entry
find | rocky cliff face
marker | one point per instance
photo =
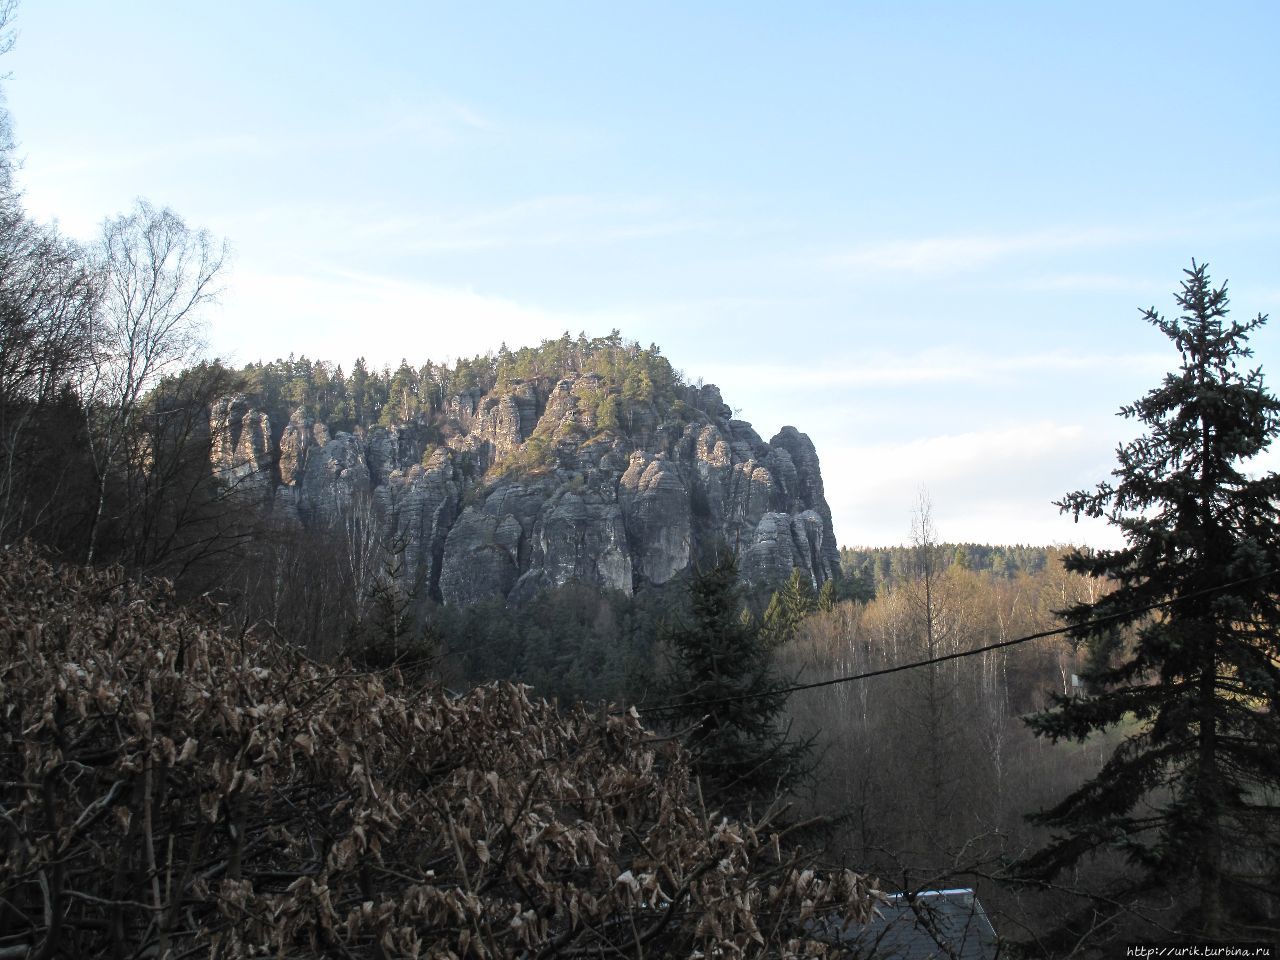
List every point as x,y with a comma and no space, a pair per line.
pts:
516,490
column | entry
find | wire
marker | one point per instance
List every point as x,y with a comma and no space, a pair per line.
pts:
783,691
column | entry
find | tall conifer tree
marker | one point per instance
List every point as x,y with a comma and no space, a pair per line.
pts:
1189,797
787,608
723,689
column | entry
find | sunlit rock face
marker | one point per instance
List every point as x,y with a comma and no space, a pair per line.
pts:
539,484
241,451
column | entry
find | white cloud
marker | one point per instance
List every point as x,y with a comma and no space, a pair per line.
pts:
340,317
996,485
536,222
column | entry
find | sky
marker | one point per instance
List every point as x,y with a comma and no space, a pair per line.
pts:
921,233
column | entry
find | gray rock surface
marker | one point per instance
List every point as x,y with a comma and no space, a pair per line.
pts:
517,491
241,451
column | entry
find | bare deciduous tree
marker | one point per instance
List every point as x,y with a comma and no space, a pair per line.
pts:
933,705
157,275
48,296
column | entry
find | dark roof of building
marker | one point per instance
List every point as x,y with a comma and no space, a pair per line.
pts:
933,925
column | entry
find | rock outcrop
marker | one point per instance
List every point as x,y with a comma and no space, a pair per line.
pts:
242,449
532,486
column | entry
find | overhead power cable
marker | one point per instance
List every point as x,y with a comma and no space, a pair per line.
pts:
1099,621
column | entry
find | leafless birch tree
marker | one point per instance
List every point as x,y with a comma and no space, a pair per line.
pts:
157,275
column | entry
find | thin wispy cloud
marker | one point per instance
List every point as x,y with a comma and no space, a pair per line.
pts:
536,222
437,121
1089,282
157,155
962,253
468,116
931,459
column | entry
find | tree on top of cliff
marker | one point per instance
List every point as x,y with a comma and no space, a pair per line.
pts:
632,376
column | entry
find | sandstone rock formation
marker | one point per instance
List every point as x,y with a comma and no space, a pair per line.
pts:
526,487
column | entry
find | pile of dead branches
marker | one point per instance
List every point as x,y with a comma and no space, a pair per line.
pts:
169,791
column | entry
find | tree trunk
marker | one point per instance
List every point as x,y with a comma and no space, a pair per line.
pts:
1209,853
97,518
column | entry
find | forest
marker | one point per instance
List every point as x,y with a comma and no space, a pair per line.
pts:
223,735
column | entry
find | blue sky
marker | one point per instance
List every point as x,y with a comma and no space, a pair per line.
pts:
919,232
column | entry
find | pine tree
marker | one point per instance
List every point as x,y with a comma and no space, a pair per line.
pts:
740,751
1189,798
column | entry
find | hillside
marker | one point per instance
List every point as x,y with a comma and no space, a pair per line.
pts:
579,460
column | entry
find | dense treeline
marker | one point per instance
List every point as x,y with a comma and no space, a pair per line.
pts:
363,397
933,770
876,569
936,769
572,642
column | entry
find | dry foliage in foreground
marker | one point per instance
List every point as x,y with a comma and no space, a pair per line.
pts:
167,791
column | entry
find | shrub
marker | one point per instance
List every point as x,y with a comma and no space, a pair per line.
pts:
169,790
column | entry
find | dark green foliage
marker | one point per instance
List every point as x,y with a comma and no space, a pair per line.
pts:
828,596
1189,797
403,403
573,642
789,605
718,655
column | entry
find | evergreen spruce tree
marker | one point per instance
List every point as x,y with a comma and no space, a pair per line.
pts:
1190,796
828,596
740,751
790,604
